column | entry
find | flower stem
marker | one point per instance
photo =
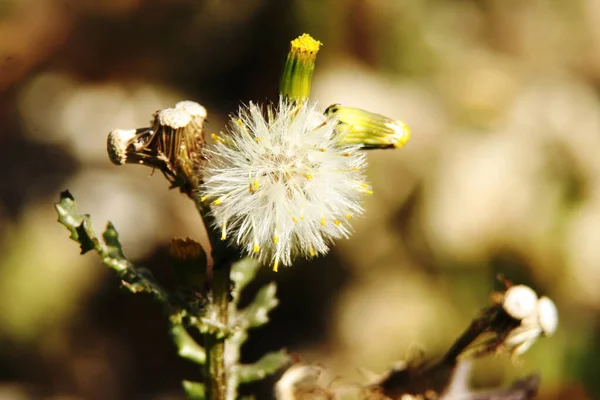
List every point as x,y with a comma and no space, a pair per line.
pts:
218,273
216,374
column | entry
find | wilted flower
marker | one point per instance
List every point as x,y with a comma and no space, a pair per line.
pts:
281,185
172,144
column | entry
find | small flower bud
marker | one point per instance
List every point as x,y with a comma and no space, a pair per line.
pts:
367,129
299,67
520,301
547,315
189,261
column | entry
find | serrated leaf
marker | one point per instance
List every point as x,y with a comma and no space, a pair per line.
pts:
194,390
111,239
108,248
67,213
257,313
86,242
73,221
269,364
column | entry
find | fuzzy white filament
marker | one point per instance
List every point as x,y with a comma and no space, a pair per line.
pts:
280,183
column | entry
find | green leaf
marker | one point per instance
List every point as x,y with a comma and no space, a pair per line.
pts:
186,346
111,238
242,273
257,313
108,248
267,365
194,390
73,221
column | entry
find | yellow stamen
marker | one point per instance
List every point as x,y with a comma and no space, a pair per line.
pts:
275,239
337,222
294,219
322,221
224,230
276,264
308,176
217,138
203,198
256,247
348,216
311,250
218,201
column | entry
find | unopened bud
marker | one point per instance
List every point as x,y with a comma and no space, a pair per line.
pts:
299,67
190,262
367,129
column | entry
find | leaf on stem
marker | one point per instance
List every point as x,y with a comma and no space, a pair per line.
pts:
269,364
257,313
186,346
108,248
194,390
242,273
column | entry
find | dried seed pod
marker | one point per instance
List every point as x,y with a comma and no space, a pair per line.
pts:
116,144
173,144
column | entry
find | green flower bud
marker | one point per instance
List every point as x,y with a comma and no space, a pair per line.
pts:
299,67
367,129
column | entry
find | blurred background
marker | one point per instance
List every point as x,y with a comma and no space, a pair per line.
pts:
501,175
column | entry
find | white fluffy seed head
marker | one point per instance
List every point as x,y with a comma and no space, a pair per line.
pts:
280,184
548,316
520,301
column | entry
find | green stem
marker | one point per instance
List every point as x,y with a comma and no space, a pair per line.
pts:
218,271
215,372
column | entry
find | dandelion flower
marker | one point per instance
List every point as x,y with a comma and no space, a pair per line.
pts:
280,183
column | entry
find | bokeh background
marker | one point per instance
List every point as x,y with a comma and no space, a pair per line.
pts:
501,175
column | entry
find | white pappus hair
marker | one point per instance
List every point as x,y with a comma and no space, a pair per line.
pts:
280,184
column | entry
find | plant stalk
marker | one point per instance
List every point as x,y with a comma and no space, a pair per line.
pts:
216,374
218,273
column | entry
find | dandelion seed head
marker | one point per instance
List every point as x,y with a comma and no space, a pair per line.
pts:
280,184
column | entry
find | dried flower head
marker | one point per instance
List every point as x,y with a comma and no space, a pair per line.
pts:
280,184
172,144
